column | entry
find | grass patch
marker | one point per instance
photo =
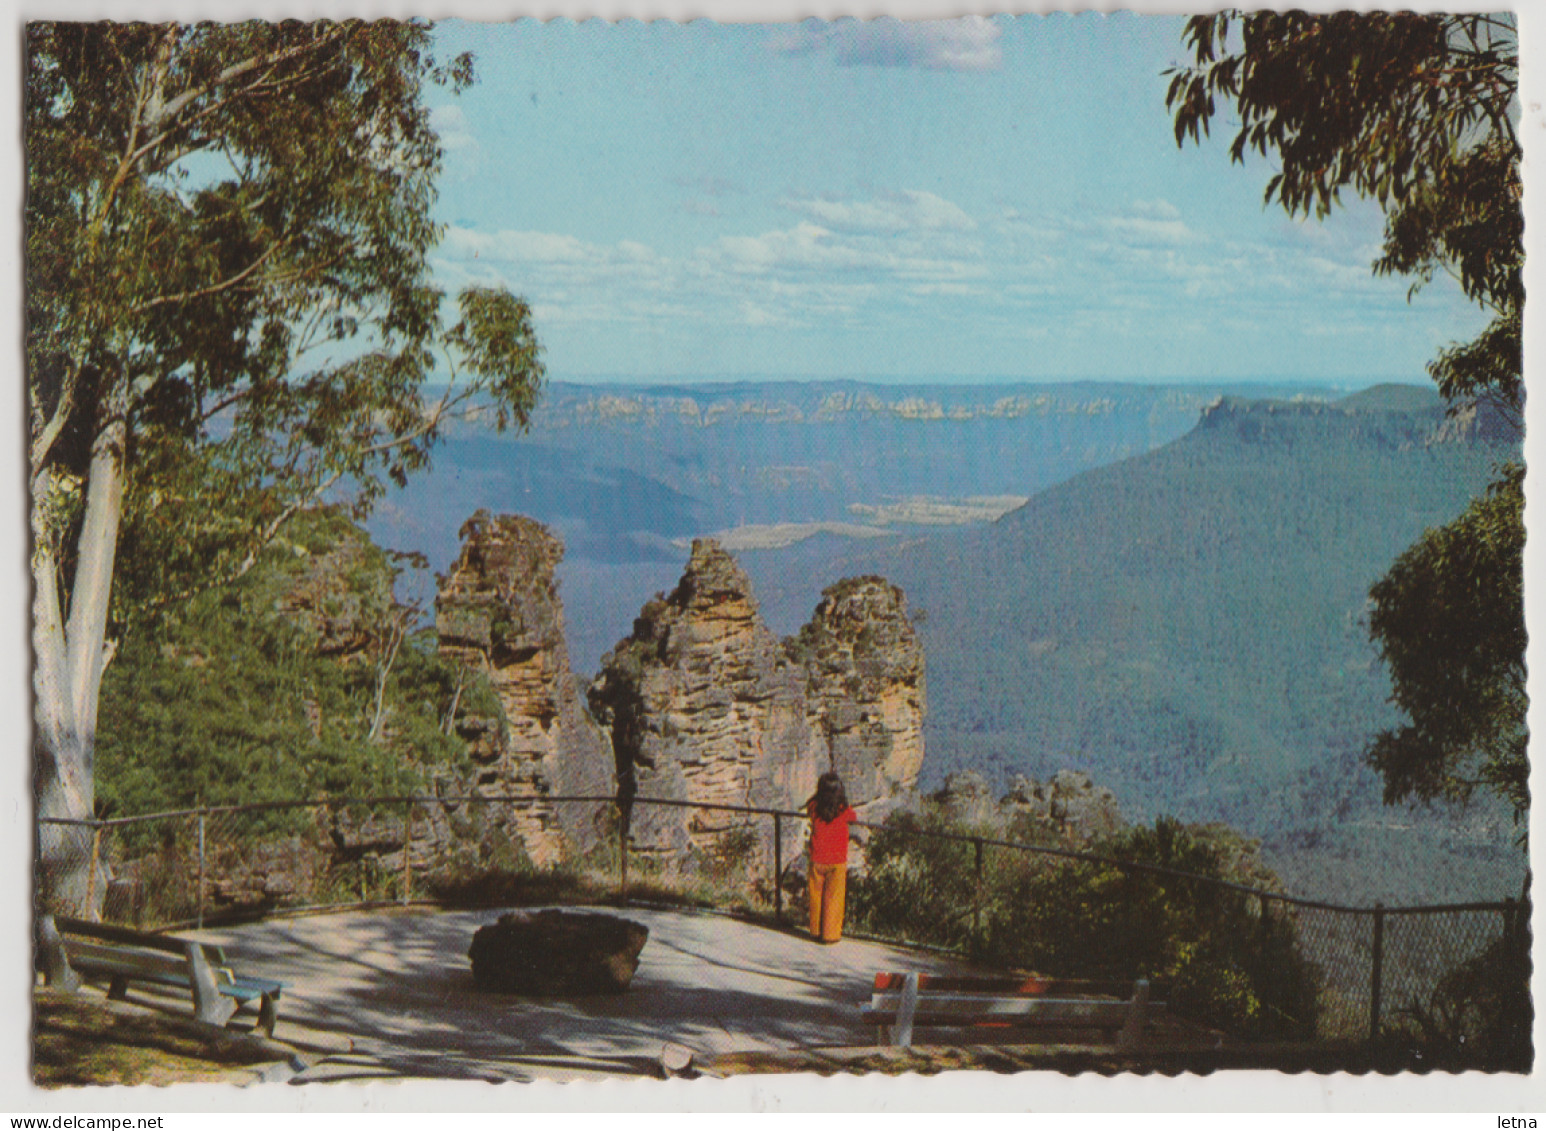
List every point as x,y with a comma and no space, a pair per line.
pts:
81,1039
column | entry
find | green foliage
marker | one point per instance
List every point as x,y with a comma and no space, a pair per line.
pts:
1225,961
1222,960
1416,111
915,887
229,309
229,700
1479,1015
1449,619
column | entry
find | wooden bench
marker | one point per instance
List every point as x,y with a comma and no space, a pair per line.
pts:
71,948
904,1002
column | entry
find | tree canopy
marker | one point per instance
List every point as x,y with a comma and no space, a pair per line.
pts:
1413,110
1417,112
230,313
1449,617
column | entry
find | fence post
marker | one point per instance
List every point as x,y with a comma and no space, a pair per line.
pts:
626,814
407,856
976,890
202,818
778,867
91,874
1376,971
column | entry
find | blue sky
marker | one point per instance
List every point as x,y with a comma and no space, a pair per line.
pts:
972,199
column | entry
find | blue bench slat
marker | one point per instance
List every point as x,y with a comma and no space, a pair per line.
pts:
248,988
130,942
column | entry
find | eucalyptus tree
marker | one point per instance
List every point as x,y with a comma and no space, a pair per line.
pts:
1416,111
229,314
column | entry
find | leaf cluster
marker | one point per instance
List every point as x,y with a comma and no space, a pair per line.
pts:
1221,958
230,700
228,229
1449,623
1413,110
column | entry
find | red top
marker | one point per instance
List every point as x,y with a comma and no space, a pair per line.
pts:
829,839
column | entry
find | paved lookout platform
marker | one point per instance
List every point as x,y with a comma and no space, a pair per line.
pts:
399,984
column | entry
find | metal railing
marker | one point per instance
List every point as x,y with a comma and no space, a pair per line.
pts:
946,890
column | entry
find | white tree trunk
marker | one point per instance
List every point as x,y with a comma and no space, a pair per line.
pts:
70,658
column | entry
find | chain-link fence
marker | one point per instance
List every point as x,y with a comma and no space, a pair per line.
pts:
1259,963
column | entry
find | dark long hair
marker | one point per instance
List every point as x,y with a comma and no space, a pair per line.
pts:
830,799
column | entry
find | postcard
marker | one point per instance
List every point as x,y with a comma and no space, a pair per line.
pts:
587,552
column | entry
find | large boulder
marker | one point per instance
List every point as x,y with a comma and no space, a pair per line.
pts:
557,953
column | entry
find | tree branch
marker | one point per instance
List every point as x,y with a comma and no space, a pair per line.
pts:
258,84
252,63
43,443
213,288
431,421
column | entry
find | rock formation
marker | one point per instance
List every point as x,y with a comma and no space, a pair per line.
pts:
706,705
865,689
557,953
498,613
1068,805
339,594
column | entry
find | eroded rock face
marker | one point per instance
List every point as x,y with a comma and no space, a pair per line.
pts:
1069,804
865,689
706,705
498,613
340,596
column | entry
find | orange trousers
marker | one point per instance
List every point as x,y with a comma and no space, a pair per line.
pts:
829,888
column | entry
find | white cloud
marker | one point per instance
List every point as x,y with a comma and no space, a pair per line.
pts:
1147,230
809,247
966,44
906,211
899,260
1156,209
451,125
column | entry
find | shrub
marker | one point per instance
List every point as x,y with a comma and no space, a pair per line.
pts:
1479,1016
1222,960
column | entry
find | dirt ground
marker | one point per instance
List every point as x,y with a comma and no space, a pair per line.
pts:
83,1039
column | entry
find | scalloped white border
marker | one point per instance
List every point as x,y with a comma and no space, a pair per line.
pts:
1263,1092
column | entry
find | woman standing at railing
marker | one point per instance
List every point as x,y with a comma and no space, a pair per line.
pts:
830,816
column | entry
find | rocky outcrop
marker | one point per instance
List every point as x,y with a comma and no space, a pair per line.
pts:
707,705
498,615
339,589
1478,421
865,689
1069,802
1069,805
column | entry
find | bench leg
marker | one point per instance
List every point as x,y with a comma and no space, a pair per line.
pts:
902,1031
208,1003
118,988
268,1015
1131,1036
57,970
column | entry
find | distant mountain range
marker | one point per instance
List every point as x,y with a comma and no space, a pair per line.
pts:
1162,586
627,476
1188,625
